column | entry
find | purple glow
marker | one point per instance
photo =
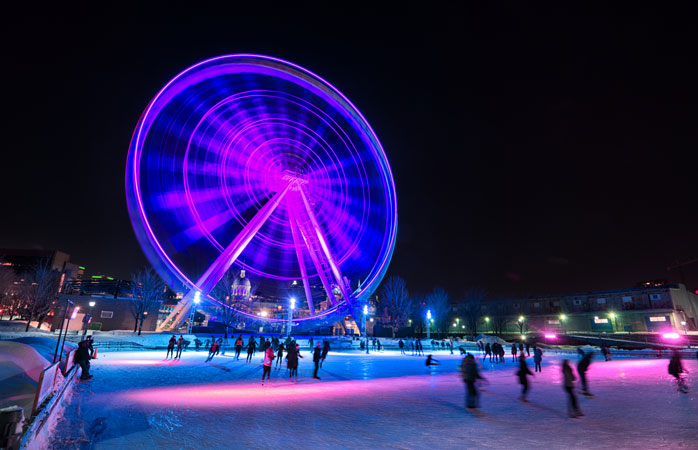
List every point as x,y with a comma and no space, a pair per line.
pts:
550,336
671,335
213,151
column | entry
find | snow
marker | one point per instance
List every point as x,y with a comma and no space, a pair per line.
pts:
370,401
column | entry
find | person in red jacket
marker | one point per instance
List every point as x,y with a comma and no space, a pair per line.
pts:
212,351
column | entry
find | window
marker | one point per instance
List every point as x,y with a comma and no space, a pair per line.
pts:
516,305
556,303
577,302
627,299
553,322
536,305
107,314
657,318
601,301
655,297
598,320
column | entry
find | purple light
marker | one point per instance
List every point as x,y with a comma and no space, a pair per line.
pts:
550,336
671,335
230,151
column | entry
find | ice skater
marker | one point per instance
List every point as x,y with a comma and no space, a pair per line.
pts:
432,361
572,404
250,349
266,365
238,347
582,367
82,357
317,358
212,350
180,347
325,351
470,377
513,353
402,346
523,374
170,347
538,359
280,354
676,370
292,356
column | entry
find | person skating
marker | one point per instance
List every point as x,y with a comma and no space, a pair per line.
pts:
180,346
292,356
432,361
523,374
317,357
310,343
219,348
582,368
401,345
325,351
238,347
538,359
378,343
470,377
212,350
676,371
90,346
266,365
568,376
528,349
488,351
250,349
82,357
513,353
280,354
521,348
170,347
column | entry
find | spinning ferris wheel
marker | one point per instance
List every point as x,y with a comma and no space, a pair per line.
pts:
248,162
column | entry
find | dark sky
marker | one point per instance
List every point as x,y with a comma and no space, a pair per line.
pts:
534,151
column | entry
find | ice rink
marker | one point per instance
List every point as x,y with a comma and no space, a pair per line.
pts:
384,400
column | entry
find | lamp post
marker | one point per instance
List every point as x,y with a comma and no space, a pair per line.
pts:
65,315
197,300
612,316
87,319
521,324
563,317
457,324
428,324
289,324
364,323
487,321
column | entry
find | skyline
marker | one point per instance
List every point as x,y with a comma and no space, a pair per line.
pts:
573,158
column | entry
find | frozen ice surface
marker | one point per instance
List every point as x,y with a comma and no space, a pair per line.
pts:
384,400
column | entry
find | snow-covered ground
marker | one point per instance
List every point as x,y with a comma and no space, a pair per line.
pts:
385,400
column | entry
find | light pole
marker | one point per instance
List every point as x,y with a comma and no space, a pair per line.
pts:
364,321
428,324
521,324
457,324
289,324
197,300
87,319
487,321
612,316
562,322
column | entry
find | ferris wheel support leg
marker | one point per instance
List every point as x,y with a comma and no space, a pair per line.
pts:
323,243
301,263
220,266
316,262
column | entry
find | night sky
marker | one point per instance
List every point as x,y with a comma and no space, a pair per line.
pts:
534,151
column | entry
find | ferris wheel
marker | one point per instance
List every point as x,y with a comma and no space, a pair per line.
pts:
249,162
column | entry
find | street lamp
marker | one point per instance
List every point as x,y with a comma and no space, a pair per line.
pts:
364,323
521,324
487,321
87,319
429,324
612,316
563,317
291,307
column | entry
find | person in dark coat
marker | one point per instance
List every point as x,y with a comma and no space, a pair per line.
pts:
317,357
280,354
325,351
180,346
488,351
250,349
538,359
582,368
238,347
310,343
82,357
528,349
470,377
676,369
521,348
523,374
402,346
513,353
568,383
90,347
432,361
292,356
170,347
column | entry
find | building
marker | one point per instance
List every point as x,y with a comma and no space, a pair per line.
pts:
655,308
23,261
108,313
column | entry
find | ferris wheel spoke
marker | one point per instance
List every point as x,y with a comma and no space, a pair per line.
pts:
316,260
323,244
301,262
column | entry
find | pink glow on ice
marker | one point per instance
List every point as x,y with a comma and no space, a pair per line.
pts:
672,335
550,336
142,362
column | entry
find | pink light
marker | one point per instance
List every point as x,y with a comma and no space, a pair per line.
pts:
550,336
75,313
672,335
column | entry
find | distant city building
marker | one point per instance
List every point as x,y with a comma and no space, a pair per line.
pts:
641,309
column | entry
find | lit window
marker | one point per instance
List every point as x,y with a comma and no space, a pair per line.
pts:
657,318
598,320
627,299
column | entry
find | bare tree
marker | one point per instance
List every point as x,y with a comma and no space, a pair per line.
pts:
437,302
499,324
147,289
39,290
472,308
8,297
225,294
397,302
